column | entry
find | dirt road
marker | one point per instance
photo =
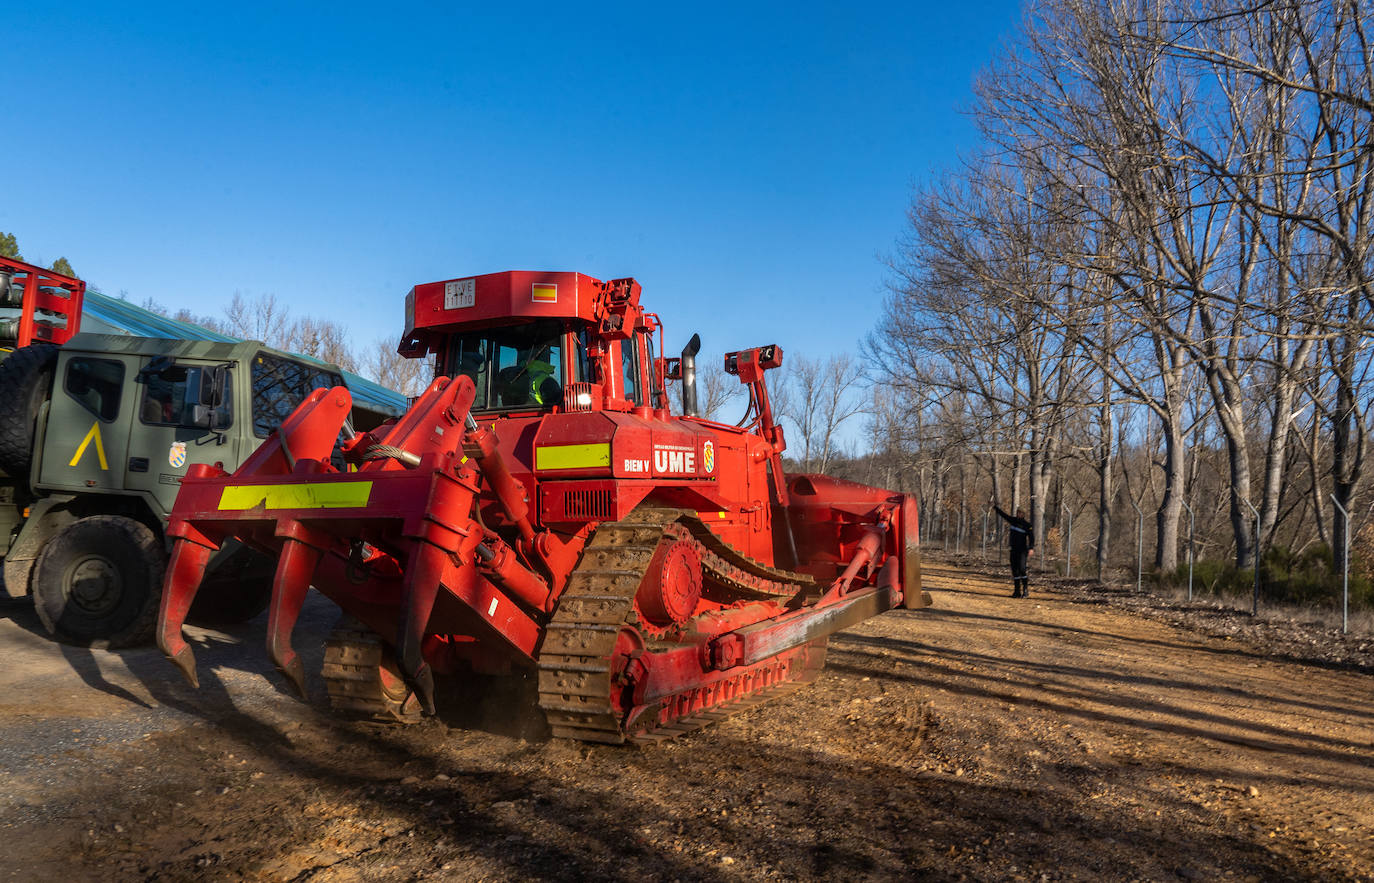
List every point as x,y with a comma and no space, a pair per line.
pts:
1051,738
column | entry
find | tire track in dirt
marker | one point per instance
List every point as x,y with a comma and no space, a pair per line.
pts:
987,737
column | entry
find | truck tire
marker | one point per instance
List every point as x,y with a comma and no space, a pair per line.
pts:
98,582
25,384
235,590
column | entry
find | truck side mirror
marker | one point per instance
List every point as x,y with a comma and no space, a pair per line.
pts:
209,397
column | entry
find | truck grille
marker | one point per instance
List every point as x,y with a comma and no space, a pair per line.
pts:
589,505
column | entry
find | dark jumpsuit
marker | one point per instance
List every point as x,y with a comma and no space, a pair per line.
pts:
1022,541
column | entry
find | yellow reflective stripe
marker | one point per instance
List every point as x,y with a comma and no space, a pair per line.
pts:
316,495
572,456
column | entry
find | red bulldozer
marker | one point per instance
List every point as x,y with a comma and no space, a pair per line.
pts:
539,507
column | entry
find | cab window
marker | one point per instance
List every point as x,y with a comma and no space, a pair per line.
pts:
96,384
649,360
629,368
169,398
280,385
517,366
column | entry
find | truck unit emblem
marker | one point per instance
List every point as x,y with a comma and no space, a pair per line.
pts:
708,456
176,455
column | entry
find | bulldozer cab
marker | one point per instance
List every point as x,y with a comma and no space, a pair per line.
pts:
514,366
529,366
539,342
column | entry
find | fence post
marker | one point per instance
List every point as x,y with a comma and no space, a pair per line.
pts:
1139,541
1068,542
1254,602
1345,570
1190,549
985,537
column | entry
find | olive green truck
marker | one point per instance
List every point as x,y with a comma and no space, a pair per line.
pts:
95,436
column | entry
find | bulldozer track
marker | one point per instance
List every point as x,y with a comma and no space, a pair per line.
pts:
576,680
354,660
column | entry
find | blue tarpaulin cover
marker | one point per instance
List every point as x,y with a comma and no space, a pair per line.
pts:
103,314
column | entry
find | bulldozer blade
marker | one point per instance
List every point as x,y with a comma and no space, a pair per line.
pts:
289,587
422,587
184,574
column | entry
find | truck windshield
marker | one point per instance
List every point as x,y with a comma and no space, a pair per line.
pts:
518,366
279,385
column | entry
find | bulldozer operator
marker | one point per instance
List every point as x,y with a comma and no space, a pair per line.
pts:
533,380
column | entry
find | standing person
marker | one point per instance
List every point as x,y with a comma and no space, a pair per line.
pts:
1022,547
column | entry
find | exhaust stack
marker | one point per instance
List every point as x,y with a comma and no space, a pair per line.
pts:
689,377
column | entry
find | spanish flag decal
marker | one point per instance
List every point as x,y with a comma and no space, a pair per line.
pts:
544,293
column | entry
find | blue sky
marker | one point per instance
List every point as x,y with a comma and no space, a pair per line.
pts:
748,164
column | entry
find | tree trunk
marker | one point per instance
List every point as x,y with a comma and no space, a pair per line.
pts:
996,479
1312,452
1276,458
1041,473
1344,459
1104,482
1170,507
1015,483
1232,422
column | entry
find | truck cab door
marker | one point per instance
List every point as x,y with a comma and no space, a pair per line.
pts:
87,426
175,424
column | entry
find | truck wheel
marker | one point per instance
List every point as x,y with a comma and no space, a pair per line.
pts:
98,582
25,383
235,590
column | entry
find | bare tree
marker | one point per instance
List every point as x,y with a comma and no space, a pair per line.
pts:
389,368
324,339
818,396
258,318
968,315
719,394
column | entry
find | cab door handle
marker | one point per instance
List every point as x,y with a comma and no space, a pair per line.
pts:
138,464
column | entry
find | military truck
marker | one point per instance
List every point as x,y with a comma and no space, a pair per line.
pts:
95,437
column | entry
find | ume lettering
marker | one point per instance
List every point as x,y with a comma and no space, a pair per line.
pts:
675,461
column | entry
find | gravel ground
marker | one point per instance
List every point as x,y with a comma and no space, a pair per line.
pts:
1083,733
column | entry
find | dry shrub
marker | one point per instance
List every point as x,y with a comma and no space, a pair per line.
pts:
1053,543
1362,553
